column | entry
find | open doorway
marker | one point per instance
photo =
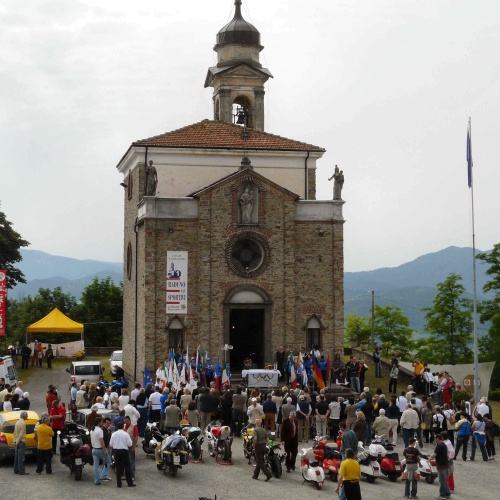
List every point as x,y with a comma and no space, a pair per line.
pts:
246,335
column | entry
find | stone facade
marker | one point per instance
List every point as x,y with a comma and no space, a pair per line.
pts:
302,278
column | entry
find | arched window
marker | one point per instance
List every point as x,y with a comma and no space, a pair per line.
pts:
176,334
313,333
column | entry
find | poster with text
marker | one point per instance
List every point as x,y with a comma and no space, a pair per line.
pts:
3,302
177,282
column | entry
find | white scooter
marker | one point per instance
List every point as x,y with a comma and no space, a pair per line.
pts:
427,467
309,466
369,466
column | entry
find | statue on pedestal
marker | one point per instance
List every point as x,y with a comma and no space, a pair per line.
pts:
338,183
246,204
151,180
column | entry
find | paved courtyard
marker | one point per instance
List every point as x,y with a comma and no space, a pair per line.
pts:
473,479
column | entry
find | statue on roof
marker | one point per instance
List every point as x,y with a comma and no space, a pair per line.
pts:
338,183
151,180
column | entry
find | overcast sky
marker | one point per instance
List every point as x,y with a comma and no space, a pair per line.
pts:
386,86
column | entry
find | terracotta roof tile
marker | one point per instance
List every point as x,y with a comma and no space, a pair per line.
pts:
215,134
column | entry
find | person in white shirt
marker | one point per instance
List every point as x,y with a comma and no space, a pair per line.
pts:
120,443
99,451
19,389
409,423
123,399
135,392
132,412
402,402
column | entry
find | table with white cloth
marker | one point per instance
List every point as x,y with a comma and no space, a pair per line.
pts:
261,378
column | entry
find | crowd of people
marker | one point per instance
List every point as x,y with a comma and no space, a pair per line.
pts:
428,411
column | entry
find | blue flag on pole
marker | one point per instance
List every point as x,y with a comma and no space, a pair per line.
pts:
469,156
147,377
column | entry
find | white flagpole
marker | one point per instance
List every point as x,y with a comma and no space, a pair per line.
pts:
474,312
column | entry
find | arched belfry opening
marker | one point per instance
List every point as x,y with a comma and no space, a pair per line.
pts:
238,79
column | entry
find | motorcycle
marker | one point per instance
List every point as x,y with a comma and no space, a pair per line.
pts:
390,466
247,440
219,441
370,468
153,436
310,469
328,457
274,457
172,454
192,435
75,449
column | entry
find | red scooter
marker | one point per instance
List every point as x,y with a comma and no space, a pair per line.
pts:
331,464
390,466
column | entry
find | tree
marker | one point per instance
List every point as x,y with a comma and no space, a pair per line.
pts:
489,345
101,309
449,323
358,329
392,328
10,243
24,312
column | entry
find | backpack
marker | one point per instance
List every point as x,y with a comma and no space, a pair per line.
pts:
494,429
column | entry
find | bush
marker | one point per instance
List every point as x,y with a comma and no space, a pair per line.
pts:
494,395
459,396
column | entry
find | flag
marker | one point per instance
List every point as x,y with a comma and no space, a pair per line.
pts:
217,374
469,156
305,378
293,377
226,382
147,377
317,375
299,361
183,375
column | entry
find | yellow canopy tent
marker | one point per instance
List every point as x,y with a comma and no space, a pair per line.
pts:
56,322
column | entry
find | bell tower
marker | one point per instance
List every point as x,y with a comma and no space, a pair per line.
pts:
238,78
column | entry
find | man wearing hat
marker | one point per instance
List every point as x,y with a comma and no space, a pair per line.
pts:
254,412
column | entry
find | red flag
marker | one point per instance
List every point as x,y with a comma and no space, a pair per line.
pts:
318,376
3,303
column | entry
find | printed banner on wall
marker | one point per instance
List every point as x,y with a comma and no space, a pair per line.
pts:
177,282
3,303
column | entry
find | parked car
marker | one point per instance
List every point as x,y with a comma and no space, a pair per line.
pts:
8,421
115,361
85,370
82,415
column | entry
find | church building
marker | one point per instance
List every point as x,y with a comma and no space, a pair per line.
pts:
225,242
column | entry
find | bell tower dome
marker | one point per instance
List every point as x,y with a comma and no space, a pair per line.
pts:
238,78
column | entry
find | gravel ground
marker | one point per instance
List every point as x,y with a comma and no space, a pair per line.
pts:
473,479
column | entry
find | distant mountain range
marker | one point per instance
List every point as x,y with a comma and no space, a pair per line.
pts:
43,270
410,286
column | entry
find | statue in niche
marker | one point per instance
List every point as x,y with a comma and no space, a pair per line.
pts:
151,180
338,183
246,204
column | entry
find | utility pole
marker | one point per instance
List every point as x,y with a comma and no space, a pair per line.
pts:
373,319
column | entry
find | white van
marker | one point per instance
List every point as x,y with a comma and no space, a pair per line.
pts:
85,370
8,370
